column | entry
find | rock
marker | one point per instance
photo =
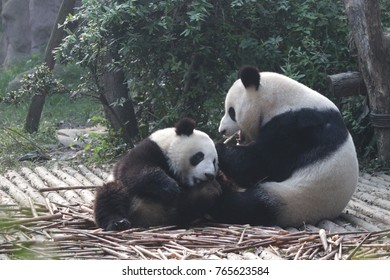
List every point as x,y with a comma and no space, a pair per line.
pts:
43,15
71,137
26,25
15,17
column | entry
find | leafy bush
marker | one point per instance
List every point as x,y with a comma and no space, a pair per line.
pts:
8,74
180,56
40,81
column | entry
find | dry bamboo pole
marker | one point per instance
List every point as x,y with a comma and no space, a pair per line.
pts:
78,176
5,199
24,186
360,220
101,173
90,175
37,183
14,192
377,201
31,220
357,247
115,253
371,211
68,188
71,196
86,195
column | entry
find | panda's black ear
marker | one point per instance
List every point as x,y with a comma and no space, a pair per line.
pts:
249,76
185,126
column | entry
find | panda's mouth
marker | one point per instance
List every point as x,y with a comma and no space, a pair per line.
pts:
238,138
197,181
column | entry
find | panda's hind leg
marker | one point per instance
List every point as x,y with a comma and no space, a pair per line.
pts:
111,207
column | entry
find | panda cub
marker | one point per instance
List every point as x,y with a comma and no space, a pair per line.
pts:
167,179
297,161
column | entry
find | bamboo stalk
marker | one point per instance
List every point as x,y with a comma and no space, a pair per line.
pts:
324,242
67,188
115,253
241,237
30,220
147,252
357,247
161,254
138,252
298,254
33,210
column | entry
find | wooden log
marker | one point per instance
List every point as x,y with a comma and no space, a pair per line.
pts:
13,192
25,187
346,84
85,194
371,211
37,183
70,195
90,175
5,199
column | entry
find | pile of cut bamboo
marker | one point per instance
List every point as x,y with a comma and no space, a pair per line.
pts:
68,232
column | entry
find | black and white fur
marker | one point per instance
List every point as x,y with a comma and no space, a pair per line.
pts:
167,179
299,164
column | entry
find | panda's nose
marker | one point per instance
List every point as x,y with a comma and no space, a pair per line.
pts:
209,176
223,132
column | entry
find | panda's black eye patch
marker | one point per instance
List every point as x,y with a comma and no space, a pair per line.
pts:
197,158
232,113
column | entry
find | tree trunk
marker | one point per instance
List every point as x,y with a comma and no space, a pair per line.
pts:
117,105
346,84
38,100
374,62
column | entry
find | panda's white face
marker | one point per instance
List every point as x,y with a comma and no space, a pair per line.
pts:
228,125
242,112
192,158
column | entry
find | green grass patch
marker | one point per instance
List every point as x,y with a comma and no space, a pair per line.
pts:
59,111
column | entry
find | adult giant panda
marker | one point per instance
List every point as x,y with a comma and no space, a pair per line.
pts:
299,162
167,179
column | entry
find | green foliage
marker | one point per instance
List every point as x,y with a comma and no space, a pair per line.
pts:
180,56
59,111
16,143
356,115
41,81
9,73
103,147
385,14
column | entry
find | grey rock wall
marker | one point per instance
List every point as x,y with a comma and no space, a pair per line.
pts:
25,28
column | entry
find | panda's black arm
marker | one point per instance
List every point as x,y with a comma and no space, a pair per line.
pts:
253,206
242,164
154,183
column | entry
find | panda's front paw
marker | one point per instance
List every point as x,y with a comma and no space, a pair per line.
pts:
118,225
170,192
